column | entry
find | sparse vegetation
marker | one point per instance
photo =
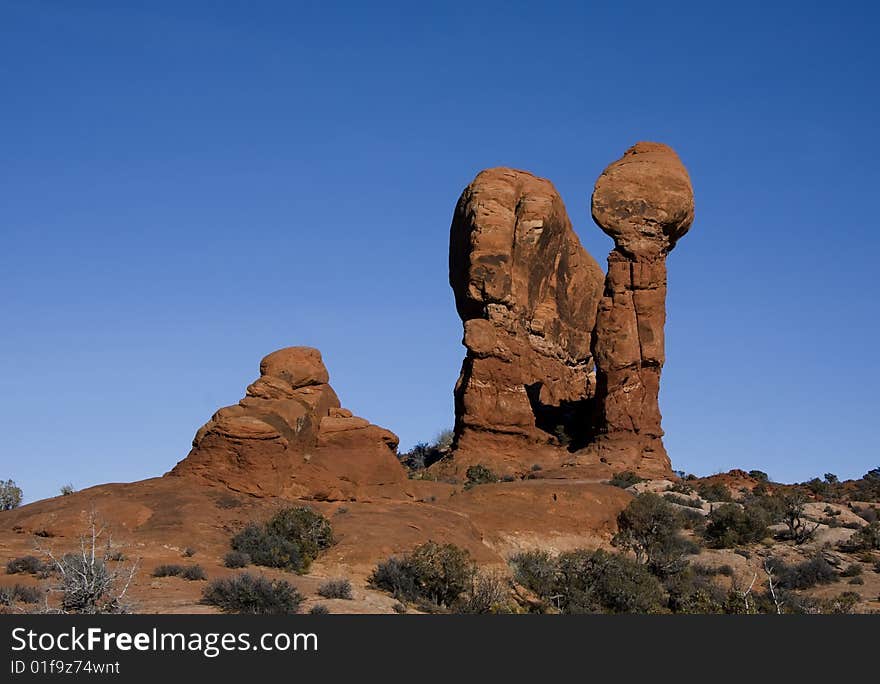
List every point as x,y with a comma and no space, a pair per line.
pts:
291,539
187,572
423,455
335,589
10,495
730,524
624,479
489,593
479,475
67,490
236,559
252,595
714,491
85,581
866,538
759,475
30,565
19,593
650,527
319,609
804,575
189,552
437,573
852,570
800,530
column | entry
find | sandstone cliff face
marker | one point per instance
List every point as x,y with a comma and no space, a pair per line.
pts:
289,437
527,294
644,201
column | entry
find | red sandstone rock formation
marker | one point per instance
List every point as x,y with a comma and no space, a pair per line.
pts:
527,294
289,437
645,202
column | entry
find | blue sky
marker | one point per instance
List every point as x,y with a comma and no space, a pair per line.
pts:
187,186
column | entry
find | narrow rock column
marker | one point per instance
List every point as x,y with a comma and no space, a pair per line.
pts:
645,202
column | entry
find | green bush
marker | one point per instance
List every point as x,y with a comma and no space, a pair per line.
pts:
304,527
804,575
535,570
438,573
649,527
246,593
714,491
479,475
269,550
335,589
10,495
692,592
291,539
624,479
600,582
865,539
851,570
730,525
236,559
187,572
30,565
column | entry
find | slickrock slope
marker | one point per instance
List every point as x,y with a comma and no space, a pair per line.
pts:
290,437
645,202
527,294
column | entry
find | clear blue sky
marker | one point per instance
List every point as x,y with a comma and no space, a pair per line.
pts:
187,186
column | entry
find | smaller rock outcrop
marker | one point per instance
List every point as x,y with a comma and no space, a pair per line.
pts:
645,202
289,436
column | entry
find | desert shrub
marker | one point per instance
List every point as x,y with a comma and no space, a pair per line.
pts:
424,455
399,608
187,572
335,589
319,609
395,576
433,572
236,559
536,467
714,491
19,592
189,552
691,519
30,565
759,475
730,525
194,573
851,570
803,575
624,479
649,527
227,501
10,495
535,570
508,478
868,513
866,538
857,580
270,550
710,571
877,567
488,593
308,529
596,581
478,475
246,593
67,490
692,592
868,486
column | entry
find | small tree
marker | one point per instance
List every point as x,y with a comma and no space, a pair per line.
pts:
10,495
649,527
799,528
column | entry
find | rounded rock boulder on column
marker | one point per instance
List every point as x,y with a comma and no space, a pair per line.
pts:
644,201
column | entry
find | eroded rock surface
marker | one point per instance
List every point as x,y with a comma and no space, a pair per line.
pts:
527,293
289,437
645,202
